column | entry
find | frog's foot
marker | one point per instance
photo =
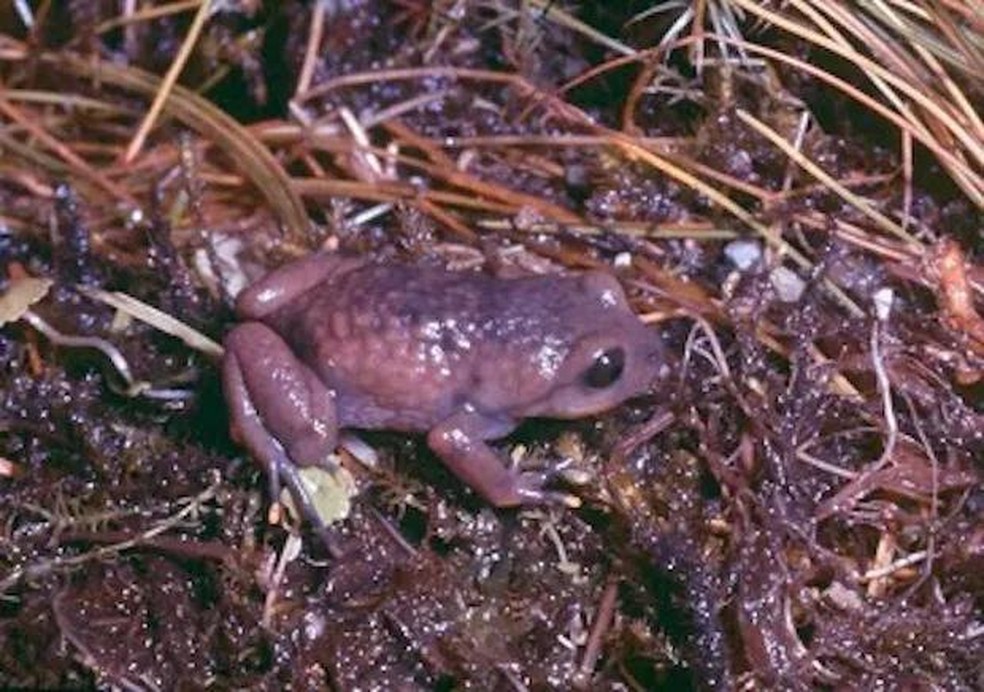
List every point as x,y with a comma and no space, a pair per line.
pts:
460,442
289,474
282,472
529,486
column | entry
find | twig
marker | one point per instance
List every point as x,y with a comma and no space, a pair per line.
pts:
167,84
887,570
813,169
315,34
66,154
599,628
885,389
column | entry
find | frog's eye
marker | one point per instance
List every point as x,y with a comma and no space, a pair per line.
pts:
606,368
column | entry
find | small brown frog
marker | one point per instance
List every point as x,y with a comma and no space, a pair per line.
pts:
331,343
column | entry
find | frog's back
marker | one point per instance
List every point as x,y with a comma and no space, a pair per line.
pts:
405,346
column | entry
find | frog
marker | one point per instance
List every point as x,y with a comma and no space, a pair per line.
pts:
331,343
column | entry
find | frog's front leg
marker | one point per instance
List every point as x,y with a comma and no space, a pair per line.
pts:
460,443
279,409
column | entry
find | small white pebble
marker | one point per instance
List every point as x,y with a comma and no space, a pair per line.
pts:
842,597
744,254
315,625
623,260
226,250
883,299
787,284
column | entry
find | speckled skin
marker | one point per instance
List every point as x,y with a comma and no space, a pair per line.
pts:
331,343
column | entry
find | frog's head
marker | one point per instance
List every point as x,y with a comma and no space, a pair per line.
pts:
609,357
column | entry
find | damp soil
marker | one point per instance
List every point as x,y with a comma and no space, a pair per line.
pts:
799,506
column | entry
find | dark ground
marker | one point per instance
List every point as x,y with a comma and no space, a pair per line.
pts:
801,507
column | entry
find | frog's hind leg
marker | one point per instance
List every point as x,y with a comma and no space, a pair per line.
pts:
279,410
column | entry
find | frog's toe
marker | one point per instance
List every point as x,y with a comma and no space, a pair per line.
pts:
288,473
529,487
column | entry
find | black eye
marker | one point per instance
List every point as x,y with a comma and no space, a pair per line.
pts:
605,369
